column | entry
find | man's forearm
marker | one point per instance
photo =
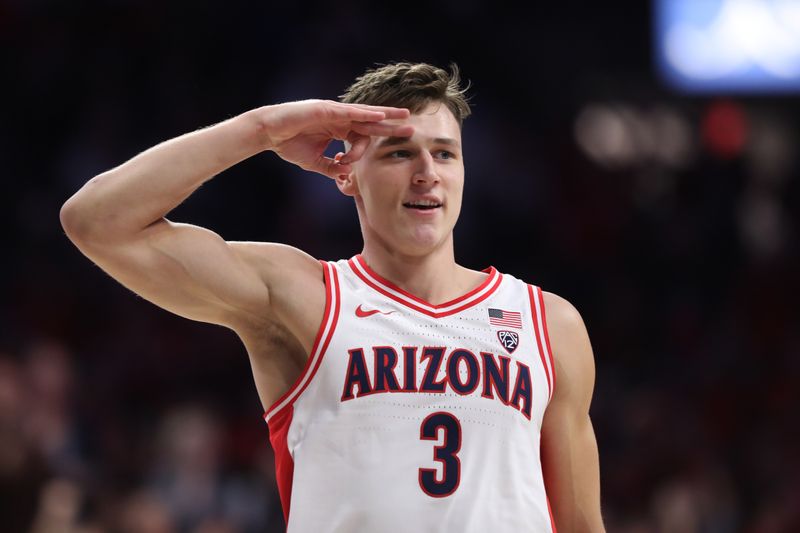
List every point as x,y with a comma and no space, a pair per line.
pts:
130,197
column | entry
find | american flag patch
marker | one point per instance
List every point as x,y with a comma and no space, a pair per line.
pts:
510,319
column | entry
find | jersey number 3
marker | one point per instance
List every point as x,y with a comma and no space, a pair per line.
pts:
445,454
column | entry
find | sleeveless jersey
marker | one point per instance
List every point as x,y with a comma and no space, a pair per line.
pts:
412,417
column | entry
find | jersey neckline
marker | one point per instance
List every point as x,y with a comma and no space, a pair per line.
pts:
392,291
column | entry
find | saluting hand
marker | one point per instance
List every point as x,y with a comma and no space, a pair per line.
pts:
299,132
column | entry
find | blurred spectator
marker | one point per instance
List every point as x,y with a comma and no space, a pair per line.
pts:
22,471
187,472
59,505
144,512
49,420
196,487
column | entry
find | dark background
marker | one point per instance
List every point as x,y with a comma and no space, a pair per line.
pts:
678,244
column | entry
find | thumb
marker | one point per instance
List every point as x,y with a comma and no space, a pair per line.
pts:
358,145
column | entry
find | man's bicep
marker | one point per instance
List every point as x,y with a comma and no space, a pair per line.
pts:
187,270
569,448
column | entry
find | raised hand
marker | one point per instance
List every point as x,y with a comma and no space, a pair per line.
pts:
299,132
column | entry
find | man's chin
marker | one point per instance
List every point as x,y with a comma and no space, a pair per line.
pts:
422,243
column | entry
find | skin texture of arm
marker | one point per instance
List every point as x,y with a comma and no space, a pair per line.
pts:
117,219
570,459
271,295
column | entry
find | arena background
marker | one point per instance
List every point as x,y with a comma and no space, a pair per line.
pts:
670,220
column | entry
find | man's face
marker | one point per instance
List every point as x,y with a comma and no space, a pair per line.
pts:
408,189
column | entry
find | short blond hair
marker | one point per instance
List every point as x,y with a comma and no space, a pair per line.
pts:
412,86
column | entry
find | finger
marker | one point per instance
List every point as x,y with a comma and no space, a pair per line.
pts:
391,112
381,129
331,168
341,112
358,145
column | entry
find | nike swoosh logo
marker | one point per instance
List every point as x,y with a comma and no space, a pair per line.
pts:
362,313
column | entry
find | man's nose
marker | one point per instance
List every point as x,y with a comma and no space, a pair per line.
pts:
425,172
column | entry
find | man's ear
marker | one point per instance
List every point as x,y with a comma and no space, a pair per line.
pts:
347,184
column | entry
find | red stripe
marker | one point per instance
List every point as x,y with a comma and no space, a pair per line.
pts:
394,287
498,322
494,277
284,465
381,290
539,340
550,512
331,285
547,336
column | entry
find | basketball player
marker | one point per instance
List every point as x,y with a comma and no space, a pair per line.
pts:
403,392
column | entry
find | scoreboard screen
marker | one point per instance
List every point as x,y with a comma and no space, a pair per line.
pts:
728,46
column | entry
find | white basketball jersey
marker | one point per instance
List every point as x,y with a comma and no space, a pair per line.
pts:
412,417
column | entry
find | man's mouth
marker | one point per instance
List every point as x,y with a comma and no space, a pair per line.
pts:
424,205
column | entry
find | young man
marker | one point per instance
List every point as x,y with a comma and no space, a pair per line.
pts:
403,392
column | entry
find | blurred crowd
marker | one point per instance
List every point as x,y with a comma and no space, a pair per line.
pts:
67,468
117,417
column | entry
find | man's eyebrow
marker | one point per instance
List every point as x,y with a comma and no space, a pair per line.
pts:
446,140
394,141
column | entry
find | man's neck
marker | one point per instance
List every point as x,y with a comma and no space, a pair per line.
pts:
434,277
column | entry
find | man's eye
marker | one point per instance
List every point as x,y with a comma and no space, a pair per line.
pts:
444,154
397,154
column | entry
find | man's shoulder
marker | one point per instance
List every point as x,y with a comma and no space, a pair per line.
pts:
272,259
560,312
290,274
569,340
295,287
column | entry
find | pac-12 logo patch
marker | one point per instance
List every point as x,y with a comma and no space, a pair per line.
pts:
509,340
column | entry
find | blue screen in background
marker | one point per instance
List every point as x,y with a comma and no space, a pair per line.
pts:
728,46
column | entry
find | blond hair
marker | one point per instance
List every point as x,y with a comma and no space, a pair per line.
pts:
412,86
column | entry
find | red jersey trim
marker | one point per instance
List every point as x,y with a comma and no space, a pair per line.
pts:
326,328
539,327
550,512
284,463
547,336
392,291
